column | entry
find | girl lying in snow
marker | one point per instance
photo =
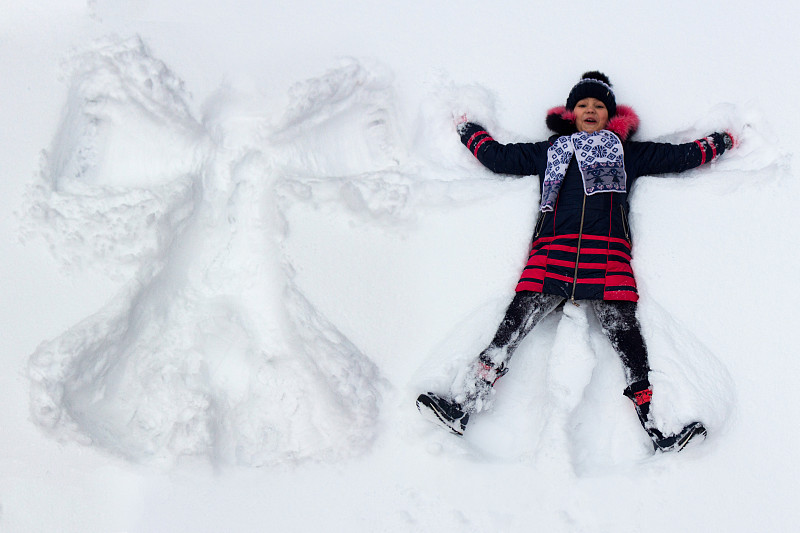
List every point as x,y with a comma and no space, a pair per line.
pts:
582,244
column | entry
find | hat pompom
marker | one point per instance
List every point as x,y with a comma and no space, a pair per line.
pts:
596,75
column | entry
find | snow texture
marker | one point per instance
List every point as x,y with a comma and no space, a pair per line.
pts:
253,237
188,359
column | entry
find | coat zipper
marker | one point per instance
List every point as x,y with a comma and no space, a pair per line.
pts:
578,254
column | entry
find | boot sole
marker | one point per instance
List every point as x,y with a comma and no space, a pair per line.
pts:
689,434
695,430
432,413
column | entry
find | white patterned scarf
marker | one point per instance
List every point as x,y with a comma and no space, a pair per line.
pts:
600,159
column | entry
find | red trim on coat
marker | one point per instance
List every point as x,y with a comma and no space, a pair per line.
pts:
487,138
615,283
475,135
571,264
533,286
581,281
625,296
702,151
585,237
620,281
587,251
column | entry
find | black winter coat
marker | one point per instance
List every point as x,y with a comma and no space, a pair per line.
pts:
582,249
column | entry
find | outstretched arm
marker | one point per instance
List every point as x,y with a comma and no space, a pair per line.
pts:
663,158
516,159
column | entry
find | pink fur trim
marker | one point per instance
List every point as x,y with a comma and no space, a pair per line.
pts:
563,113
624,123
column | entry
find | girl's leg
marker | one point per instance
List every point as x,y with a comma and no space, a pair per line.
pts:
622,328
524,312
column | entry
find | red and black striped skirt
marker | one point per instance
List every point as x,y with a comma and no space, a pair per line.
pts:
602,270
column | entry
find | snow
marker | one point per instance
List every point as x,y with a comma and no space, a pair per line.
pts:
240,238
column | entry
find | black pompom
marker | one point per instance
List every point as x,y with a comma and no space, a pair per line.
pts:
596,75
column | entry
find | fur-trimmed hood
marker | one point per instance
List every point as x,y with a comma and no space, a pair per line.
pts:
624,123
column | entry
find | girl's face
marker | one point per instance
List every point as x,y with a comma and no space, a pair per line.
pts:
591,115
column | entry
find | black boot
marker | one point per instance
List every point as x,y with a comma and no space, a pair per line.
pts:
641,393
454,413
443,411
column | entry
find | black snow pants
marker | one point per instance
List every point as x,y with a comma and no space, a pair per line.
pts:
618,319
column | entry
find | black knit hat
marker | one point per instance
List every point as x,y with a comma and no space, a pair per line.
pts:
593,85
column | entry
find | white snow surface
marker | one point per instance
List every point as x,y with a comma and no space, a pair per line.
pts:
239,239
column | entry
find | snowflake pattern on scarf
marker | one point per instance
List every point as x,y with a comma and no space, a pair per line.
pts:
600,159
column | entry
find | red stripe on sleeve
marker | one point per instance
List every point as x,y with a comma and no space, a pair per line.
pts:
474,135
702,151
487,138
